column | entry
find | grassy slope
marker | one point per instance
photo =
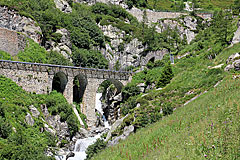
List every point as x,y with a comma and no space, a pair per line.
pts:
168,5
214,119
14,102
18,140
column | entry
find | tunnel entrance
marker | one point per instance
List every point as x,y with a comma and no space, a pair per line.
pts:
79,87
152,60
59,82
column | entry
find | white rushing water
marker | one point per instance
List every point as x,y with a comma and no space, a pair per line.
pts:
99,108
82,144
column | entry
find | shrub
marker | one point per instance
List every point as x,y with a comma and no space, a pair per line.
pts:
127,106
95,148
33,53
130,90
5,128
167,109
72,124
80,39
89,58
166,76
56,58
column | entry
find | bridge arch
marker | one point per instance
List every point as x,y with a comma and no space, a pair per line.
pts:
59,82
79,86
107,100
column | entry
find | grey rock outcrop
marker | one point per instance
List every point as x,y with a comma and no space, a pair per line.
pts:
29,120
115,2
115,125
34,111
54,125
127,131
63,6
236,37
120,53
233,57
233,62
11,20
111,103
186,27
153,16
64,46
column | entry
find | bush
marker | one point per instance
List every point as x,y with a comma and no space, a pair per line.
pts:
167,109
33,53
72,124
130,90
56,58
57,104
127,106
89,58
166,76
95,148
5,128
80,39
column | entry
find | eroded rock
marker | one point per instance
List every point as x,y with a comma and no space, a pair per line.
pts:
63,6
29,120
11,20
34,111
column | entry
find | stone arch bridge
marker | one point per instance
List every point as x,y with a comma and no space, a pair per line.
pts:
74,83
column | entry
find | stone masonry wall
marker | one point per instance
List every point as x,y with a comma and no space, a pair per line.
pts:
11,42
152,16
30,81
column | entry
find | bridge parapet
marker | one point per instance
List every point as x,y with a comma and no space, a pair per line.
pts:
70,71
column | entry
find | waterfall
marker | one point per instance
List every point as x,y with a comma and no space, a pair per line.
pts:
100,110
82,144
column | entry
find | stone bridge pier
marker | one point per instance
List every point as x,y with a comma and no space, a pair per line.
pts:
75,83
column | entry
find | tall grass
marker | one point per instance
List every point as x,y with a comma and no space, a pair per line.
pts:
206,128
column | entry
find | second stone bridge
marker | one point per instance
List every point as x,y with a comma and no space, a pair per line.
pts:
75,83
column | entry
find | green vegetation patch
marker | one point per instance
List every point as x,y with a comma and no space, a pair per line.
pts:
210,131
17,138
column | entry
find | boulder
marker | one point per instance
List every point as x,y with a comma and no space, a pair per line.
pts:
63,6
236,37
70,154
127,131
29,120
48,129
233,62
142,87
34,111
114,127
233,57
236,65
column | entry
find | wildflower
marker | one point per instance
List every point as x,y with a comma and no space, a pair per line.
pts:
205,155
213,146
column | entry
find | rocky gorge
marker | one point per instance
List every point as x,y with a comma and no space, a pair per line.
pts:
124,50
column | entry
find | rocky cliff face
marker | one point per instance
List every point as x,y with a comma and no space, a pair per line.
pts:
64,45
125,54
111,107
236,38
186,26
63,6
11,20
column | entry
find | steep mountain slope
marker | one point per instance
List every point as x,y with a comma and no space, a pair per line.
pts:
107,36
32,126
207,128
